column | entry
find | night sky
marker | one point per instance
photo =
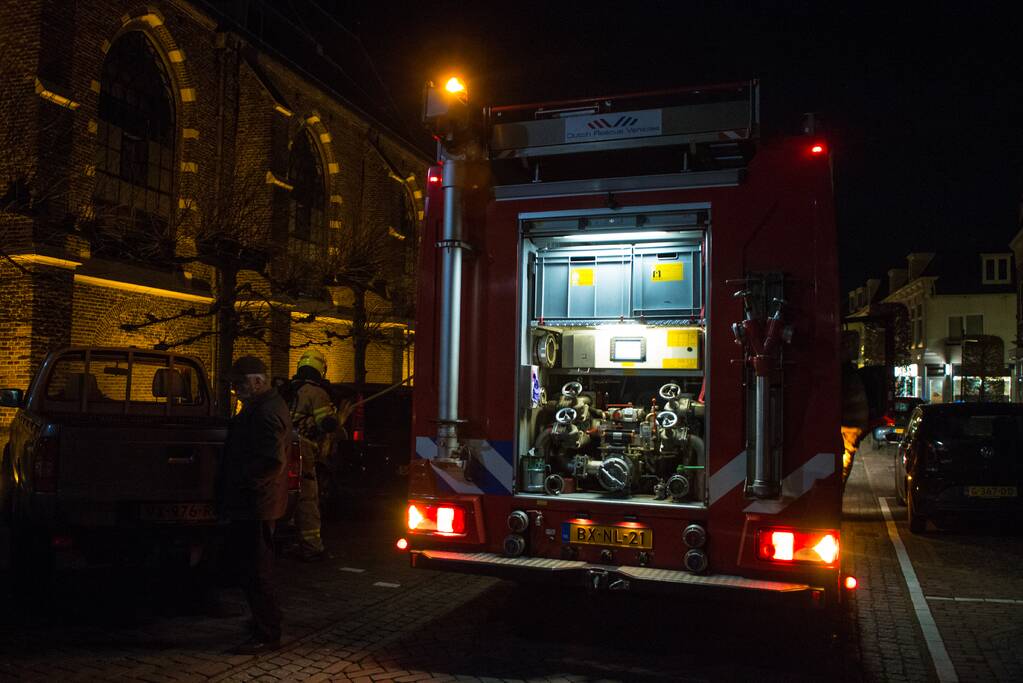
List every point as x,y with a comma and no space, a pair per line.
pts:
922,108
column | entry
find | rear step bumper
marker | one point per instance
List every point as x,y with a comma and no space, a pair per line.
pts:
615,578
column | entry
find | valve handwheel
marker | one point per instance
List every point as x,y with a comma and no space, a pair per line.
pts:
565,416
667,419
670,391
572,389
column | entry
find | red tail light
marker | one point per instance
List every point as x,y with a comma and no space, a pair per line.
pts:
798,546
818,149
44,465
357,435
446,519
295,466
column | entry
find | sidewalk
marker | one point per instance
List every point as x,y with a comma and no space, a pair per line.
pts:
890,640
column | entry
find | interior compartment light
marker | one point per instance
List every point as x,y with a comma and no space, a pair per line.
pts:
795,545
632,236
436,518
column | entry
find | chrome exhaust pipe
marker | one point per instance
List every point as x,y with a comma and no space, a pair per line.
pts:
451,246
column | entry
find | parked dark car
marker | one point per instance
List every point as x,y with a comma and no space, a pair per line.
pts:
902,409
960,459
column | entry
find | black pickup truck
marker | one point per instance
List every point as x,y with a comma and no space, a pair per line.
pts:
114,454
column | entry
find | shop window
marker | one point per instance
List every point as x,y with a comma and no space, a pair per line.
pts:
306,219
135,150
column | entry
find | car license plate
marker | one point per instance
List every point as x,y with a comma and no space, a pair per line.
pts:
177,512
899,430
617,536
991,491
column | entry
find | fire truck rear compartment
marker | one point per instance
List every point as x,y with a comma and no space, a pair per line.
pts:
612,356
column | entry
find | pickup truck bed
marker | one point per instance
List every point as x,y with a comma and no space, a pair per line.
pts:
113,452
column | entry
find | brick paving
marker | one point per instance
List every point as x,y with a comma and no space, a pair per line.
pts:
343,626
888,636
958,567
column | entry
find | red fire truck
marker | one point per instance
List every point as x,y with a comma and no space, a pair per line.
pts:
627,344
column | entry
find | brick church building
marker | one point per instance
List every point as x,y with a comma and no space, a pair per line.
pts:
178,168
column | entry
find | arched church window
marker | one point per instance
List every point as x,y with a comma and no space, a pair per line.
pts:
308,195
136,132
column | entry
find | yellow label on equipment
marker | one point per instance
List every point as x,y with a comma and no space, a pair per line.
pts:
628,364
681,363
582,277
667,272
683,338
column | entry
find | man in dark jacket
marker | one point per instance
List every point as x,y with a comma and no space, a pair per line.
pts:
255,494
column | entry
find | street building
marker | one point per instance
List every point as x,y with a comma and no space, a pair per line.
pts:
953,321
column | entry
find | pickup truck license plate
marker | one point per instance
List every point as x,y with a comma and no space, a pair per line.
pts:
617,536
991,491
177,512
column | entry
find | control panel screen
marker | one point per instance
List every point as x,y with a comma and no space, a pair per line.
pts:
628,349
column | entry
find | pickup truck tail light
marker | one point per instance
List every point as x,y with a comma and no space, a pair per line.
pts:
295,466
44,465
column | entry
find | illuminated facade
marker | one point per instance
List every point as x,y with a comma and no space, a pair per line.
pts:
155,143
950,301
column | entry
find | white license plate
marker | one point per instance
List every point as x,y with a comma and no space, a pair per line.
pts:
177,512
991,491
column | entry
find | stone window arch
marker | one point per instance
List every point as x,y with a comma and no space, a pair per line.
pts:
135,138
307,218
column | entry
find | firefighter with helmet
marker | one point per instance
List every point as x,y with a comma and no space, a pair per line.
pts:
314,418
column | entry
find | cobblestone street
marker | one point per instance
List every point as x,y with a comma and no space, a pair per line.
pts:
364,615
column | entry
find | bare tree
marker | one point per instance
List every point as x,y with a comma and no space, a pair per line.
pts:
259,276
225,234
372,263
984,358
890,336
